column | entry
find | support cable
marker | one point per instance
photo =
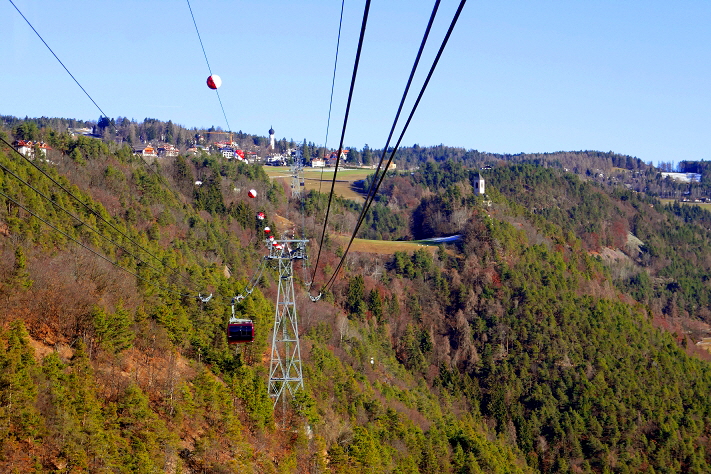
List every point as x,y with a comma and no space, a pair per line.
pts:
103,257
397,145
333,83
105,115
305,263
208,63
102,113
88,208
370,196
252,284
57,58
77,218
343,132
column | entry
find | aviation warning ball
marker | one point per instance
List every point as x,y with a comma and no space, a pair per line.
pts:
260,216
267,230
252,193
214,81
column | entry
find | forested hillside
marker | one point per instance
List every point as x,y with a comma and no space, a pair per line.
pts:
557,336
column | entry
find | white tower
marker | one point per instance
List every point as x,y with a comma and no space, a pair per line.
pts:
271,138
479,186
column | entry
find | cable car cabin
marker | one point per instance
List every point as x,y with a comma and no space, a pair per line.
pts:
240,330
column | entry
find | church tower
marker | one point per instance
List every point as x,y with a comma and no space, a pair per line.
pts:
272,146
479,186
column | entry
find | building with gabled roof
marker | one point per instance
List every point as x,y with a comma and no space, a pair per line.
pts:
331,160
146,151
168,150
27,148
228,152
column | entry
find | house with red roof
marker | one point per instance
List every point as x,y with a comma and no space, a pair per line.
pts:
27,148
168,150
145,151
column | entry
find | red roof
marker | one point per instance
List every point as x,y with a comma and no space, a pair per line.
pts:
30,144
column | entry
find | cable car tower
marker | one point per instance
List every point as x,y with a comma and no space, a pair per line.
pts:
285,374
297,177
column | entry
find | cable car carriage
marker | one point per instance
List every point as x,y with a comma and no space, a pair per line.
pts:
239,330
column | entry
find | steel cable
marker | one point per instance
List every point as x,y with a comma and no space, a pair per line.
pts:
402,134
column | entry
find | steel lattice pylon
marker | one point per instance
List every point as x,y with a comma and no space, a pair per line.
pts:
297,179
285,367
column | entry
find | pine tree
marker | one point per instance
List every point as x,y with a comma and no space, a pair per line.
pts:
19,416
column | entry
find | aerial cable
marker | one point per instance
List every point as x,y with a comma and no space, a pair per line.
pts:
305,260
333,83
76,217
97,106
402,134
199,38
370,196
71,194
105,115
370,193
89,248
88,208
305,263
208,63
343,132
57,58
252,284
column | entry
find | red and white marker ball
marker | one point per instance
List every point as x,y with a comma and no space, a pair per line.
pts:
260,216
267,230
252,193
214,81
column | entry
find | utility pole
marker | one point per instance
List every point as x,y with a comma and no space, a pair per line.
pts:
285,374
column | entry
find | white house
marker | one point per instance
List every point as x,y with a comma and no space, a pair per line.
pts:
146,151
27,148
228,152
168,150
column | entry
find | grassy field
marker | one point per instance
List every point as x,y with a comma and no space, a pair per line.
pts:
704,205
313,176
383,247
343,187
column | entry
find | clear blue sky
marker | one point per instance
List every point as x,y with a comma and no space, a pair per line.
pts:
632,76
